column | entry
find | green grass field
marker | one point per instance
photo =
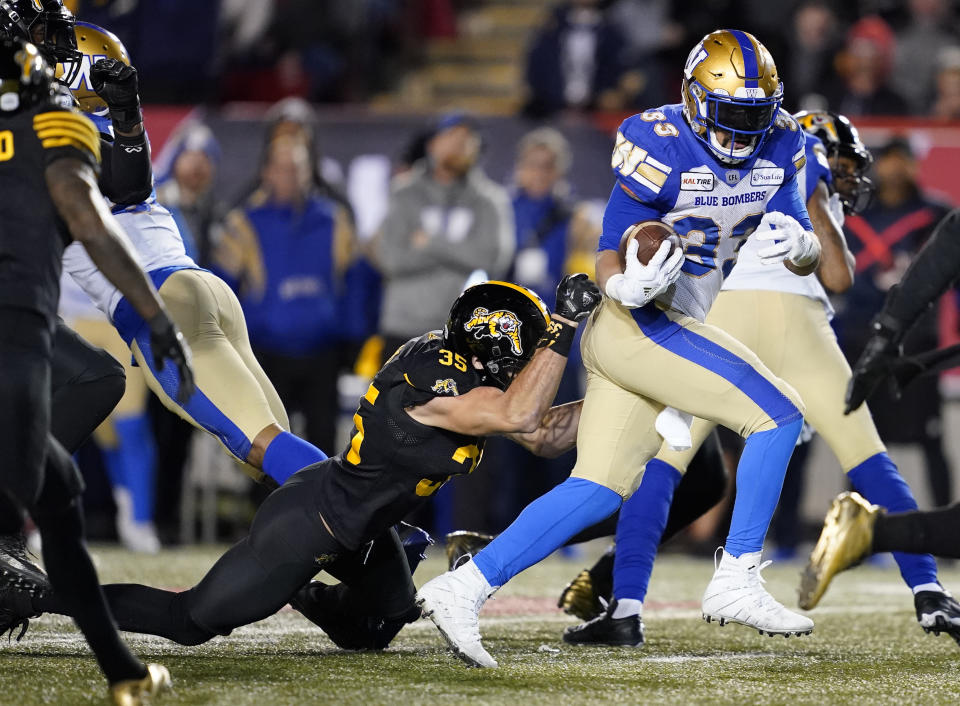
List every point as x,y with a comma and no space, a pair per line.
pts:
867,648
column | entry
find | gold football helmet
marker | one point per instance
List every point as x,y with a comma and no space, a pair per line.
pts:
730,85
94,43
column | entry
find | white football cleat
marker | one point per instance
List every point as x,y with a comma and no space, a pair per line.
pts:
736,594
453,601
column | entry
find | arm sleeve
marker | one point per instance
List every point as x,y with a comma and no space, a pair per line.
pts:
127,176
624,208
789,201
65,133
929,276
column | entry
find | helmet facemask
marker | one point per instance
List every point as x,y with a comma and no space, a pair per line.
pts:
849,167
52,31
746,121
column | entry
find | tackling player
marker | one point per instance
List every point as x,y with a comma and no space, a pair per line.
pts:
494,369
756,301
49,155
716,168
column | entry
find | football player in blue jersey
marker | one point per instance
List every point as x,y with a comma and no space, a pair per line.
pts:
754,302
718,167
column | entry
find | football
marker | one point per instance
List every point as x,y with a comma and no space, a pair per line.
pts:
649,234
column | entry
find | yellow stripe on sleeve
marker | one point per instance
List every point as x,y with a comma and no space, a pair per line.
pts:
62,128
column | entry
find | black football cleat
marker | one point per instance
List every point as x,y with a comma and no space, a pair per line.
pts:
464,543
938,612
605,630
17,570
323,605
16,609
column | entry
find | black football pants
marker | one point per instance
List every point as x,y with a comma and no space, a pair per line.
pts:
86,383
287,545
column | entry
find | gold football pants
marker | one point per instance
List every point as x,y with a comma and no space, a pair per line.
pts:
791,334
639,361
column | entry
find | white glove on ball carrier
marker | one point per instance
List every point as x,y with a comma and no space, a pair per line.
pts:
790,241
639,285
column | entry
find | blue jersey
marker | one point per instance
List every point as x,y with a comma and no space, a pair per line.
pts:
665,173
750,273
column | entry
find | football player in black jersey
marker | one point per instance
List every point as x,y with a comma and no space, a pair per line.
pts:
86,381
49,156
493,369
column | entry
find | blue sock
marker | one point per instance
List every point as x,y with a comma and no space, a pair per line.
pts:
132,465
543,526
287,454
760,473
642,519
878,480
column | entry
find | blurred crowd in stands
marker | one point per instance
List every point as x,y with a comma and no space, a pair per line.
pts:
320,296
859,57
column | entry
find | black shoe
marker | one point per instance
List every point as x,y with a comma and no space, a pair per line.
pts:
16,568
462,544
607,630
16,609
323,606
938,612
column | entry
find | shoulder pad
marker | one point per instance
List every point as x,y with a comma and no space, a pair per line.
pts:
645,148
434,371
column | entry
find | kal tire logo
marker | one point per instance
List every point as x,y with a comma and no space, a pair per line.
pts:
766,176
696,181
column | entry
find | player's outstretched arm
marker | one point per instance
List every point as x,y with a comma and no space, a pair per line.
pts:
557,432
836,261
522,406
72,185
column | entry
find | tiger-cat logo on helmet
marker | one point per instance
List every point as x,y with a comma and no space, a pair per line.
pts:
496,324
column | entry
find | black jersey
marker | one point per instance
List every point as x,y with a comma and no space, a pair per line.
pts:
394,463
32,235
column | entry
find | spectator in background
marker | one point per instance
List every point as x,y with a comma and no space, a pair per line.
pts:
554,237
864,68
946,104
808,61
445,220
575,61
930,30
186,171
884,238
285,250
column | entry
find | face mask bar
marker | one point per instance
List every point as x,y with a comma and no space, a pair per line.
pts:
746,119
855,188
54,36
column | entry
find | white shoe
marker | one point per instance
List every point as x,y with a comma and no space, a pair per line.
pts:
140,537
736,594
453,601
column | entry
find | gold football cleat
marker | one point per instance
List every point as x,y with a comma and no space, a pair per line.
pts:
580,599
844,541
135,692
464,543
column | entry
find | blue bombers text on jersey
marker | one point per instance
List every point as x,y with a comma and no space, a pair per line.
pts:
664,173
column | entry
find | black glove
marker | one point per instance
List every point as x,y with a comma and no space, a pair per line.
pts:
167,343
116,83
577,296
874,365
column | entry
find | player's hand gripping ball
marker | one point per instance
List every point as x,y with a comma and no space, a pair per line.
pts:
649,236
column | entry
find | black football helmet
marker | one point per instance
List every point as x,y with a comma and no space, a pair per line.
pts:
841,139
499,322
49,25
26,79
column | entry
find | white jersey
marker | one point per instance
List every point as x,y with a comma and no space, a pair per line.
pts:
667,174
156,243
751,273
